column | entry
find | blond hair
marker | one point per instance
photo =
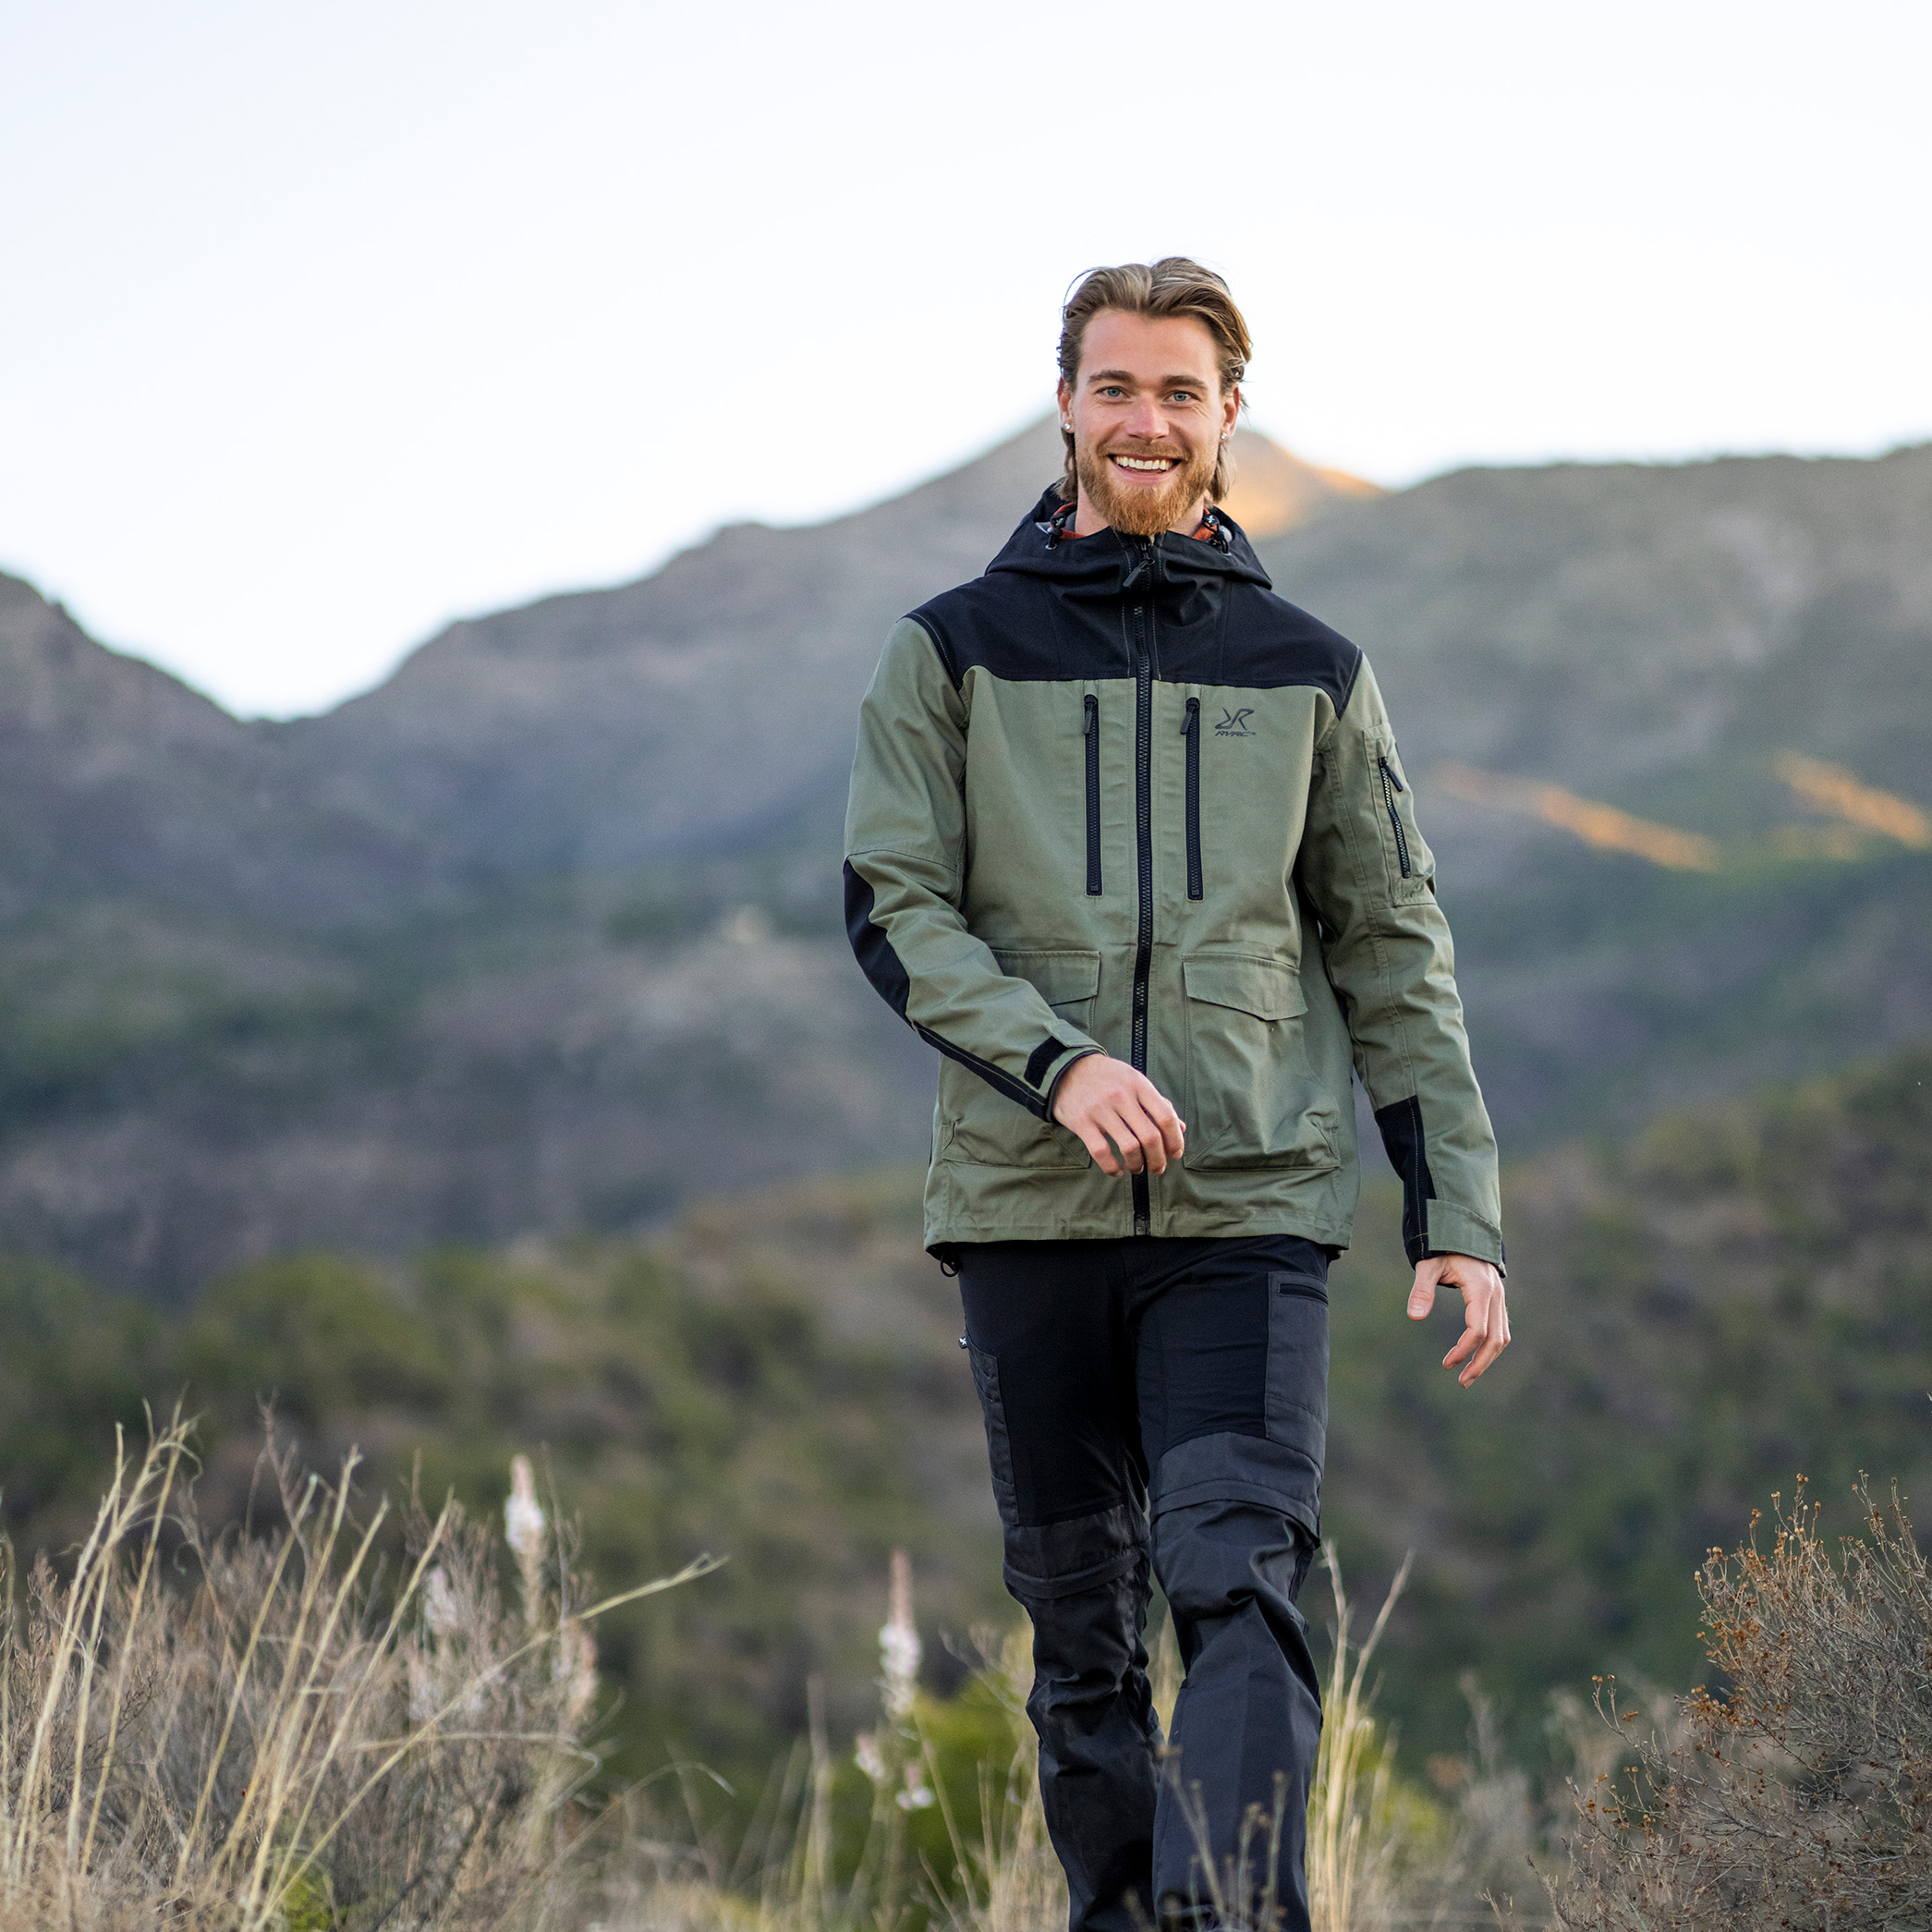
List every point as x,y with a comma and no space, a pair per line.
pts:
1173,286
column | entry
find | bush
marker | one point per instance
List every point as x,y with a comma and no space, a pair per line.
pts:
1799,1793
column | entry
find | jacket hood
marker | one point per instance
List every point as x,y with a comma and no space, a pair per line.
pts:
1103,563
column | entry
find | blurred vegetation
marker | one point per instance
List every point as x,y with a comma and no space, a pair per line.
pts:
1743,1295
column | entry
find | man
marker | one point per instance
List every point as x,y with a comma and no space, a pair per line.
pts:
1130,843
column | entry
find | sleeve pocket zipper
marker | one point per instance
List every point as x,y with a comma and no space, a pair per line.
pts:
1391,785
1090,730
1191,731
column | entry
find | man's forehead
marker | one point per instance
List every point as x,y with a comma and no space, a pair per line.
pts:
1120,346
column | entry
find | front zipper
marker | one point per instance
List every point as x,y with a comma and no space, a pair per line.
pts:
1143,842
1191,731
1090,728
1391,785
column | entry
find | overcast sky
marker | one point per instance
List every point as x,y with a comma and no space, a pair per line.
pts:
324,324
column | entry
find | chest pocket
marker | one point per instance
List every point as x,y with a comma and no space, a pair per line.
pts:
1253,1099
982,1126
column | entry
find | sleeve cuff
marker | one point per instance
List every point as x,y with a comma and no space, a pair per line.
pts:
1455,1230
1056,1071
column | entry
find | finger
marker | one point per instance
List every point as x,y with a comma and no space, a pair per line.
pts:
1114,1123
1145,1149
1095,1144
1161,1110
1493,1345
1476,1323
1422,1297
1153,1144
1486,1338
1159,1107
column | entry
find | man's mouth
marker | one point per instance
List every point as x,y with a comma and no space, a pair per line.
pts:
1142,466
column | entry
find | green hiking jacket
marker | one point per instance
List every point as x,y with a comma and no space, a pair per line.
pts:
1116,795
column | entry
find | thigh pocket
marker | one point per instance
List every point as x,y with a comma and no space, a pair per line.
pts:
1297,1394
1253,1098
999,1445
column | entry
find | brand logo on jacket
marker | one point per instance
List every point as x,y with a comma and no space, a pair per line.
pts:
1233,724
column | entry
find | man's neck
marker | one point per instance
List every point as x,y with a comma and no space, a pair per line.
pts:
1088,521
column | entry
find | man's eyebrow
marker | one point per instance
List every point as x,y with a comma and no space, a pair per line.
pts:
1127,375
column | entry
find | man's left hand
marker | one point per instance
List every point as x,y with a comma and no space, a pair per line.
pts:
1486,1315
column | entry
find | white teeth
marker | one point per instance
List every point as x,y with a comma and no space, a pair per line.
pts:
1145,462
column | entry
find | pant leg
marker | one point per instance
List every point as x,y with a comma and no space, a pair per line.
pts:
1054,1366
1232,1372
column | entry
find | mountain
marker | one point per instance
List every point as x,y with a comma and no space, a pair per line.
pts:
702,709
1660,639
543,934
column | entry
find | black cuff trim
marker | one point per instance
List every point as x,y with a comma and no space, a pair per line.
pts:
1401,1126
1044,1055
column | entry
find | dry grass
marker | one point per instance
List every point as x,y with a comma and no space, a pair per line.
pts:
272,1733
1800,1796
241,1734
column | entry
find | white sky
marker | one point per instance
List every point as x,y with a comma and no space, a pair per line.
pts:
323,324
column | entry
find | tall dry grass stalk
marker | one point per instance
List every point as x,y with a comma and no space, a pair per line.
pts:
1011,1882
241,1734
1353,1841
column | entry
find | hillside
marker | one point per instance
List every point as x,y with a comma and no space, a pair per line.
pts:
543,934
702,710
1743,1296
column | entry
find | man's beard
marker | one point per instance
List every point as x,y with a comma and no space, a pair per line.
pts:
1144,512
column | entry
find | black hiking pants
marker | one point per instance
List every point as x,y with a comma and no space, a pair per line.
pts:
1160,1404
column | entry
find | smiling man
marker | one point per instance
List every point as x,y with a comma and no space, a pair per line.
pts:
1130,843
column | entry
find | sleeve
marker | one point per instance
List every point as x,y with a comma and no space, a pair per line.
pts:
1371,880
904,870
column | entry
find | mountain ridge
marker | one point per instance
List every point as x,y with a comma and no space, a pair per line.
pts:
543,934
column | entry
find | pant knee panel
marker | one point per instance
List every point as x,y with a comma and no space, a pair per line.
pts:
1048,1561
1252,1469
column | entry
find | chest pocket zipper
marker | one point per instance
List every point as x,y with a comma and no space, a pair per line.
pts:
1090,730
1191,731
1391,785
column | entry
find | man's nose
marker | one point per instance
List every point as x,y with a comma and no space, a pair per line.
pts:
1147,419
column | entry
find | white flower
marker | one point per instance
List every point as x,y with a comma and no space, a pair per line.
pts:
523,1515
899,1647
440,1608
900,1651
868,1757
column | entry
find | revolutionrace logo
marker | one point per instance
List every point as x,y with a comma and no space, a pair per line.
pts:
1233,724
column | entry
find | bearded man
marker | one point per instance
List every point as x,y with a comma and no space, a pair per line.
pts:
1130,843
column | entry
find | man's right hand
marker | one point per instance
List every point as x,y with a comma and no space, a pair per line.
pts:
1112,1107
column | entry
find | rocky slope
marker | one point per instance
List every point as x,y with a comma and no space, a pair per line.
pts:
543,934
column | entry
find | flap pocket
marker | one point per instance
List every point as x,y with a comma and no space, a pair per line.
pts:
1263,987
1061,978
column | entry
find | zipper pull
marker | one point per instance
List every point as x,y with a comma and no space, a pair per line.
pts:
1390,773
1192,721
1092,720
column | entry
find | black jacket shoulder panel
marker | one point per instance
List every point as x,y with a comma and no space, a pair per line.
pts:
1009,626
1053,607
1266,642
